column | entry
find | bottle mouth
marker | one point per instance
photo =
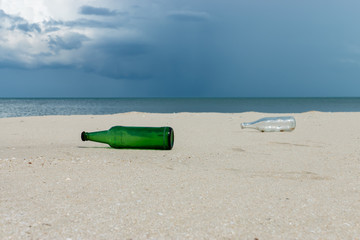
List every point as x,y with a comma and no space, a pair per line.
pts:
83,136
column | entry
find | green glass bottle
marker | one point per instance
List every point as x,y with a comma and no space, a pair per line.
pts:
134,137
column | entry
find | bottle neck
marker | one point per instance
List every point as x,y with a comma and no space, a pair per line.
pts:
101,136
246,125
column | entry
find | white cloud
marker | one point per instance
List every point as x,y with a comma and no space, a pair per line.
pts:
40,10
109,37
42,32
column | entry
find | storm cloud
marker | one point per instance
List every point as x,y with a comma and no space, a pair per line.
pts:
202,48
68,42
12,22
89,10
54,42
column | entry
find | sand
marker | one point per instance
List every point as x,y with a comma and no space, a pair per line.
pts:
218,182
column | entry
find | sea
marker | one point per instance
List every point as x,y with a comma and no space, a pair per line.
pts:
20,107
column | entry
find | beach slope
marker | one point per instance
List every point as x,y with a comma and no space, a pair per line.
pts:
218,182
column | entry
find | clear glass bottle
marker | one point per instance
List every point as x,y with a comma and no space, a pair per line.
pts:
133,137
272,124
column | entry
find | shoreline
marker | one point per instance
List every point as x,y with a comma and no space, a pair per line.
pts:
68,107
218,181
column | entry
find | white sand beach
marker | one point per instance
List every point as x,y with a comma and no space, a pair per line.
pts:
218,182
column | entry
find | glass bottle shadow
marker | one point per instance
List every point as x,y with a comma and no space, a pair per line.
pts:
141,149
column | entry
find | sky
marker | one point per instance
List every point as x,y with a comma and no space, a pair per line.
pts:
182,48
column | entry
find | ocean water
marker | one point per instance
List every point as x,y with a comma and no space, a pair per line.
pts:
84,106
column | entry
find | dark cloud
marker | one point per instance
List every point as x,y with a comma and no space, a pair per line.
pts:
89,10
2,14
19,23
51,29
127,48
52,25
82,22
26,27
91,24
187,16
69,42
12,18
119,59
